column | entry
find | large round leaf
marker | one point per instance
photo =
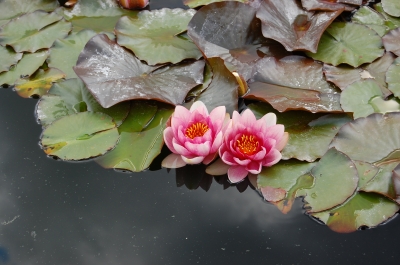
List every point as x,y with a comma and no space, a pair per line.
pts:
29,63
393,77
336,179
392,7
153,35
8,58
34,31
296,28
70,97
13,8
141,141
372,19
39,83
349,43
97,8
391,41
80,136
65,52
370,139
390,21
231,31
114,75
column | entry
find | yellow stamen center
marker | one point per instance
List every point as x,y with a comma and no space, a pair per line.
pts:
196,130
247,144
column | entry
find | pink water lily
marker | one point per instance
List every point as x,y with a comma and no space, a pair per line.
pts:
250,144
194,136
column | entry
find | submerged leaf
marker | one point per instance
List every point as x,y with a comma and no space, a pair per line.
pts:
34,31
297,29
114,75
153,35
80,136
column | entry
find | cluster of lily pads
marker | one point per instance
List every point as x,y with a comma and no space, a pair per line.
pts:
108,81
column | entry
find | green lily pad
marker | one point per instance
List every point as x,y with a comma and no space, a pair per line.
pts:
309,134
80,136
34,31
370,139
391,41
344,75
372,19
114,75
65,52
223,90
97,24
139,145
39,83
12,8
349,43
291,25
153,35
335,180
98,8
197,3
70,97
29,63
363,209
8,58
393,77
392,7
280,183
390,21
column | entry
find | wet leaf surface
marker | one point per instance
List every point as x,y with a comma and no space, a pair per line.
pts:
65,52
328,5
8,58
139,145
291,25
12,8
34,31
70,97
372,19
39,83
197,3
80,136
231,31
392,7
376,134
29,63
348,43
98,8
391,41
391,22
335,180
154,35
114,75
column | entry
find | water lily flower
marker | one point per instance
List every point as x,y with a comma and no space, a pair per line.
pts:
194,136
250,144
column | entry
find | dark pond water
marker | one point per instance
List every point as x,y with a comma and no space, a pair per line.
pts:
60,213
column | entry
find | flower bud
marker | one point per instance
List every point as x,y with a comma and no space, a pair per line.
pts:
133,4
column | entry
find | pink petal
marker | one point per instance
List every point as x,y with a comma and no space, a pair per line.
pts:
180,149
217,168
208,159
272,158
269,119
254,167
194,160
217,117
235,118
180,113
227,123
202,149
241,162
248,119
168,136
173,161
275,132
181,137
199,105
282,143
260,154
217,143
237,173
228,159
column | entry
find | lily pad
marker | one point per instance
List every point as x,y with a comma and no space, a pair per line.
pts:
114,75
80,136
197,3
392,7
65,52
39,83
391,41
97,24
70,97
29,63
139,143
335,180
285,98
372,19
153,35
349,43
370,139
231,31
391,21
393,77
223,90
280,183
12,8
310,134
344,75
98,8
325,5
8,58
291,25
34,31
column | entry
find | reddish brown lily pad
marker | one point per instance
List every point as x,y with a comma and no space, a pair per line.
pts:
113,75
330,5
297,29
391,41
